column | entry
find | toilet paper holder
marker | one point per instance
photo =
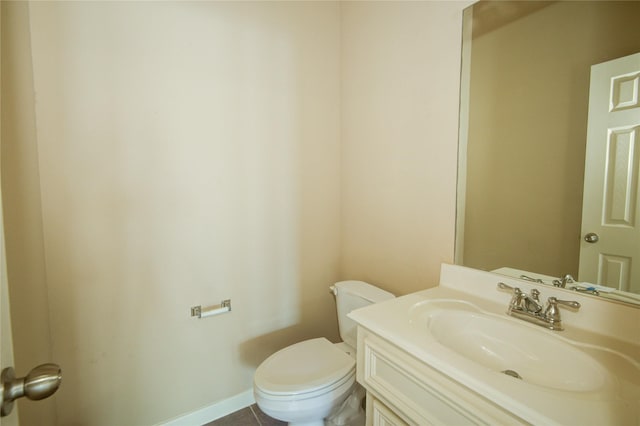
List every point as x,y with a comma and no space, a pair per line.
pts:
200,312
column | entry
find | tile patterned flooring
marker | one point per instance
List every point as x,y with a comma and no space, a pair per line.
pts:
249,416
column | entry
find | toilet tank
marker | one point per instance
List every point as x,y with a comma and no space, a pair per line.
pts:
352,295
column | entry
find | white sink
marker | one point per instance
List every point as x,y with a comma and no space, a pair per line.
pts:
505,346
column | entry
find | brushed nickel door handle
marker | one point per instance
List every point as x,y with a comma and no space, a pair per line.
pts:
41,382
591,237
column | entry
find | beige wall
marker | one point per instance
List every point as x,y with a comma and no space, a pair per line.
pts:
191,152
400,85
188,153
527,132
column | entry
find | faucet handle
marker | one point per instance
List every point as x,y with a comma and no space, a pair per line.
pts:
570,303
518,294
503,286
517,298
552,313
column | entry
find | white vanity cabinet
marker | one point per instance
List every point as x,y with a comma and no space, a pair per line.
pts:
401,390
450,355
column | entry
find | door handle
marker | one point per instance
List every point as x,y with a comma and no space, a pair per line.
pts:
591,237
41,382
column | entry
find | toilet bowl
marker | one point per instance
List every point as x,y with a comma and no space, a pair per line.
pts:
306,382
302,383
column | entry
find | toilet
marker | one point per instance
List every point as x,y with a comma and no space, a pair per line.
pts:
307,381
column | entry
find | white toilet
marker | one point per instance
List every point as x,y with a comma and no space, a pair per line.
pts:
303,383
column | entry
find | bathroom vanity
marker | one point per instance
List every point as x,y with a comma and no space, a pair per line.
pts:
451,355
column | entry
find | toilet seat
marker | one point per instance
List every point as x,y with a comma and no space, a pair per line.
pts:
304,370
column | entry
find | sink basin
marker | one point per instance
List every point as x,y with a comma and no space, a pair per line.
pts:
535,356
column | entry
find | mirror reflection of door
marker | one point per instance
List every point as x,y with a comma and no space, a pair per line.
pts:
610,230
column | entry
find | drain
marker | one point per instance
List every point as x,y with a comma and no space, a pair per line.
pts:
512,374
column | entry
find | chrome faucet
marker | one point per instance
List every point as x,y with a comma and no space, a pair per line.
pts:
562,282
528,307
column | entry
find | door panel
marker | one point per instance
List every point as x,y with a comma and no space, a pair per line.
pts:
6,342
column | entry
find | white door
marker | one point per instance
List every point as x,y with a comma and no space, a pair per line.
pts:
6,343
43,380
610,246
6,347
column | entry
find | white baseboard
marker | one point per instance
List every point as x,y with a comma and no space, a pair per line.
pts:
214,411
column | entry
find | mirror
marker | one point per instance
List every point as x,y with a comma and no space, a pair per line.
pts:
523,129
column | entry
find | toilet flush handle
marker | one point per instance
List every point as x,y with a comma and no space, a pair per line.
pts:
333,290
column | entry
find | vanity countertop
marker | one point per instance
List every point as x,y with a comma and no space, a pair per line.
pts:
603,332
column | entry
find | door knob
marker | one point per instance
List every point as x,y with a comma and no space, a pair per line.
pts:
591,237
40,383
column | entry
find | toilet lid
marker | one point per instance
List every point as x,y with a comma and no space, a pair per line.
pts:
303,367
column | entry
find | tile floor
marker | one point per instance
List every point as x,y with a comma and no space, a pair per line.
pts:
250,416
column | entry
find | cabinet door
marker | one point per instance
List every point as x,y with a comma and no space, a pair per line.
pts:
417,394
381,415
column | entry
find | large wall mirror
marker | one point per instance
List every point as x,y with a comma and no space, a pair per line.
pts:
524,123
